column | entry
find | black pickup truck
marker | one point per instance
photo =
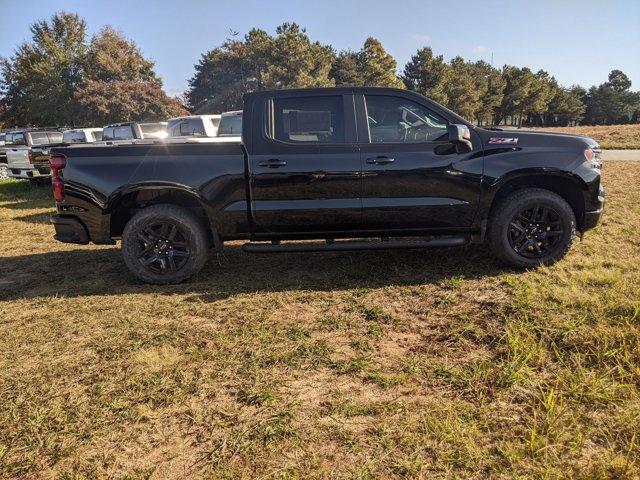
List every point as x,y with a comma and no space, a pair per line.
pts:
350,168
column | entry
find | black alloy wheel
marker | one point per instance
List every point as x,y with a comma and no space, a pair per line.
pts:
163,248
164,244
531,227
535,231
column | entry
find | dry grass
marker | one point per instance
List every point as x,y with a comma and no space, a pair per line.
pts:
608,136
409,364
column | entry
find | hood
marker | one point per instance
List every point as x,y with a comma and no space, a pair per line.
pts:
531,138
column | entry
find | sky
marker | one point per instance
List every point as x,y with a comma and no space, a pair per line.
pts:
577,41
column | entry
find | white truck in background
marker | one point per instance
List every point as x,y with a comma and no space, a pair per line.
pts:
223,128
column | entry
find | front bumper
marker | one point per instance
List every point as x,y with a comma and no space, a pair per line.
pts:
69,230
592,217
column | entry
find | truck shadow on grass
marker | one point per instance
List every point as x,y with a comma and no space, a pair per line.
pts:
76,273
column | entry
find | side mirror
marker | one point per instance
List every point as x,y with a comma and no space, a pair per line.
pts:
460,136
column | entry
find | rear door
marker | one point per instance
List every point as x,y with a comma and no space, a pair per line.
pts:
413,178
304,164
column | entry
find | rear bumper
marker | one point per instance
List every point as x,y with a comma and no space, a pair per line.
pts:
29,172
69,230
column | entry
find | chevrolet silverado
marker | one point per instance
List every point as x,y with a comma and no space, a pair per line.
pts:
348,168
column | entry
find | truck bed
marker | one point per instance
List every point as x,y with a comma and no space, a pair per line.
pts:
107,177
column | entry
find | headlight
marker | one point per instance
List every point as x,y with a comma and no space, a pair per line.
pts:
592,156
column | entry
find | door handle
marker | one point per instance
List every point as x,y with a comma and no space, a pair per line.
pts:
272,163
380,160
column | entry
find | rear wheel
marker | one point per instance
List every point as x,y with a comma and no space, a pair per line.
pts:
4,171
532,227
164,244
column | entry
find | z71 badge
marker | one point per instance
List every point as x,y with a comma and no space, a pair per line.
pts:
502,140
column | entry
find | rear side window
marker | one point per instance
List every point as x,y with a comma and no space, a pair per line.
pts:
97,136
230,125
73,137
153,130
107,133
39,138
55,137
397,120
186,127
309,120
124,132
18,139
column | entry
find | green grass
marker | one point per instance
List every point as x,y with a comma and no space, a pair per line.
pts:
434,364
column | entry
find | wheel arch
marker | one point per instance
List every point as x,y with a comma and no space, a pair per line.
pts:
125,204
570,188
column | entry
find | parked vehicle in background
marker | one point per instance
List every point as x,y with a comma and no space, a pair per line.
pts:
28,154
205,128
330,165
4,170
82,135
230,124
157,130
127,132
193,126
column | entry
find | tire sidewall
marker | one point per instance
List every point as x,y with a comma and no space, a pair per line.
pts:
189,226
550,200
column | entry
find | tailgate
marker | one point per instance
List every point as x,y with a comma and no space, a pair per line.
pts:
18,157
40,155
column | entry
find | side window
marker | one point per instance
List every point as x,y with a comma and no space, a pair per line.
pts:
107,134
124,132
97,136
192,127
73,137
397,120
310,120
18,139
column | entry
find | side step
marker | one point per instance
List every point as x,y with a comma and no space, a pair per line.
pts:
330,245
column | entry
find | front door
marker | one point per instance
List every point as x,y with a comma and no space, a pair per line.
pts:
307,177
413,178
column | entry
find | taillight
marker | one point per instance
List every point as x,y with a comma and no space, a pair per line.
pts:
30,156
57,162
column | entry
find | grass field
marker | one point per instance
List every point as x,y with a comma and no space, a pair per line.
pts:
622,137
434,364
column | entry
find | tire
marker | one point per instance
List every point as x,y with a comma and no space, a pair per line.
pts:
4,171
164,244
531,227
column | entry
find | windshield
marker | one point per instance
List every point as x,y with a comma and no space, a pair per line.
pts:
230,126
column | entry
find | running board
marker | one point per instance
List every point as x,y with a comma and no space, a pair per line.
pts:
329,245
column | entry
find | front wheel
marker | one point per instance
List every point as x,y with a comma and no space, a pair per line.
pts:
532,227
164,244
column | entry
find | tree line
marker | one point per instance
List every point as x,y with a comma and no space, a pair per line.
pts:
61,77
64,78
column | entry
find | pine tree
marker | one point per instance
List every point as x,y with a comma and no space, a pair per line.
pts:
427,75
377,67
260,61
